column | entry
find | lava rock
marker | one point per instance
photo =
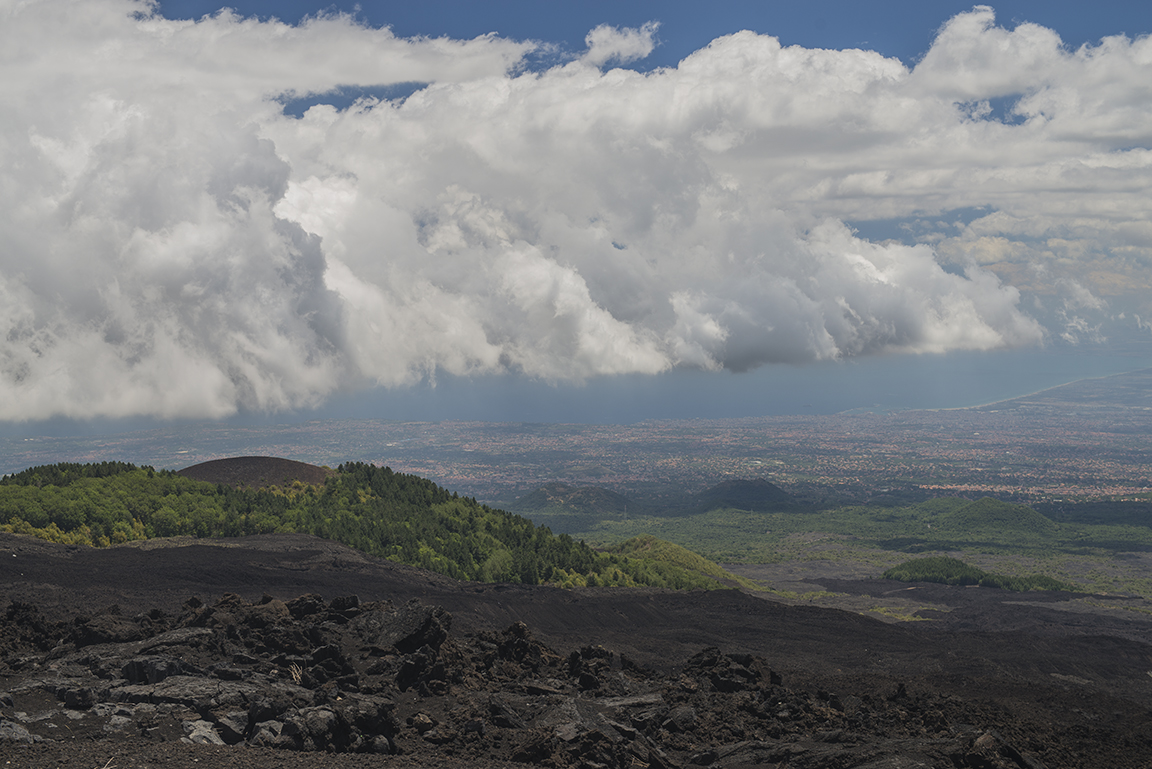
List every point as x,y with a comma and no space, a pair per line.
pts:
406,629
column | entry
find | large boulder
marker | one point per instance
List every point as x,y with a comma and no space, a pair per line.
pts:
406,629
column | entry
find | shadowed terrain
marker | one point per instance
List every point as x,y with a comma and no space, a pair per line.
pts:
1012,685
257,472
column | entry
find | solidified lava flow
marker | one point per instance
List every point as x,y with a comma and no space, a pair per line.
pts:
323,657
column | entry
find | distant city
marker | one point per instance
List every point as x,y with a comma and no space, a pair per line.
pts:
1090,440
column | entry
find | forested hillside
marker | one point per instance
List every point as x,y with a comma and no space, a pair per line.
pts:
397,516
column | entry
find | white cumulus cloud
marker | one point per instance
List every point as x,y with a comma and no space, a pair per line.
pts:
176,245
608,44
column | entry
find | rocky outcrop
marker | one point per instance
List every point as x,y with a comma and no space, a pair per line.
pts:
346,676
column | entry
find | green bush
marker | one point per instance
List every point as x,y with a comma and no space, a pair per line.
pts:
952,571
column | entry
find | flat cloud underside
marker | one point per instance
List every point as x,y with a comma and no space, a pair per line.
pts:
176,245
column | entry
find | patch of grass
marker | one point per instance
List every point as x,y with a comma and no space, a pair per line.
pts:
1016,539
904,615
648,548
742,536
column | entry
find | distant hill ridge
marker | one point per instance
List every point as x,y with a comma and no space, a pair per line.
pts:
257,472
565,507
392,515
756,495
989,513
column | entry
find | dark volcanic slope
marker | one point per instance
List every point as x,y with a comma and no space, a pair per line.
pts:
757,494
656,627
1079,700
256,472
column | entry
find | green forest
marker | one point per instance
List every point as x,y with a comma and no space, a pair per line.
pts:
397,516
953,571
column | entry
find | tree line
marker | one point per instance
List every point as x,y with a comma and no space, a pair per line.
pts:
953,571
397,516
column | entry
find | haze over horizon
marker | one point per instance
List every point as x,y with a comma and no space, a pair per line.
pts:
624,212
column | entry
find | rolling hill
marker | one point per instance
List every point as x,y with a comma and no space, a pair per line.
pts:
757,495
988,514
257,472
570,509
397,516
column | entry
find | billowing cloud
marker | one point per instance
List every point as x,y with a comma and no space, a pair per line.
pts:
611,44
176,245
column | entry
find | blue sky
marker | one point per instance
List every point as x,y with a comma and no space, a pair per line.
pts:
901,28
600,212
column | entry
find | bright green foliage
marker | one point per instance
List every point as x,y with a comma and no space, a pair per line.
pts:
669,552
659,551
412,520
109,503
393,515
65,473
952,571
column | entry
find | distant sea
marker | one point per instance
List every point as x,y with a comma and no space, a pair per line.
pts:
886,383
878,384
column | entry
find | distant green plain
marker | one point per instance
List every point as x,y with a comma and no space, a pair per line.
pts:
1012,539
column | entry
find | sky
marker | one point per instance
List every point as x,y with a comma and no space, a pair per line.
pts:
589,211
